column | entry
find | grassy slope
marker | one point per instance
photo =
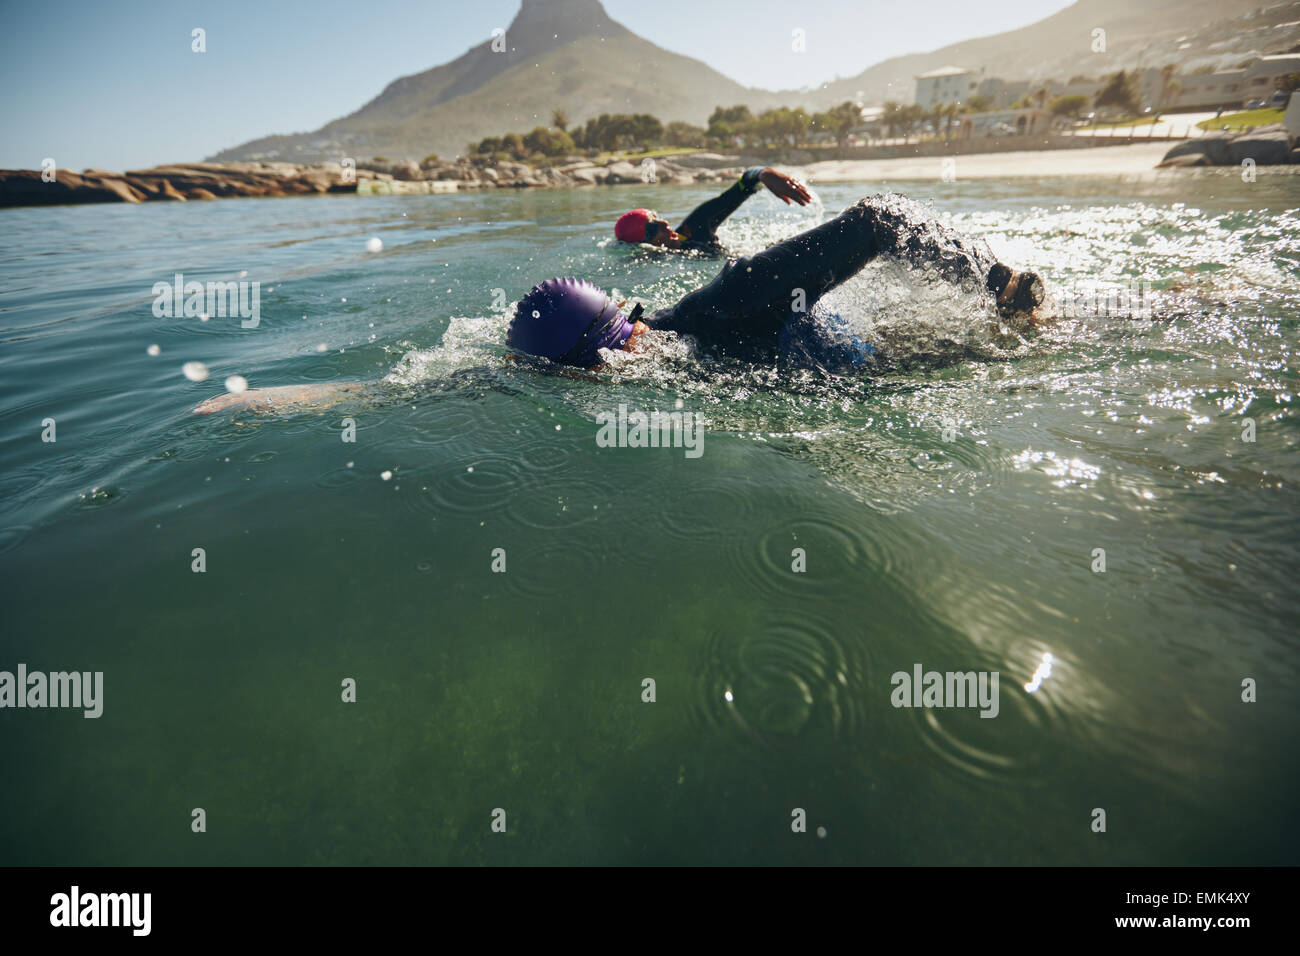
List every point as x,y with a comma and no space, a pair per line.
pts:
1243,120
1058,45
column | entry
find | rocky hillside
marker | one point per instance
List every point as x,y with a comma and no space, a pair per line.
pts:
560,54
1146,33
569,54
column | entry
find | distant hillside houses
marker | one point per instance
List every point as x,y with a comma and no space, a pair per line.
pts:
949,84
1158,89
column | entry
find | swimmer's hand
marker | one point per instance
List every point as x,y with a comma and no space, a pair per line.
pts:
786,187
276,399
1019,296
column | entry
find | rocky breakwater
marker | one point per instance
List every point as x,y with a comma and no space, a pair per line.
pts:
185,181
487,173
177,182
1268,145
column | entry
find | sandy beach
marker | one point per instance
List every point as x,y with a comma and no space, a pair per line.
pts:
1134,160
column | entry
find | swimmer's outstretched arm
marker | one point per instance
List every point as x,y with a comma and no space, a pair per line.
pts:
283,397
754,295
701,226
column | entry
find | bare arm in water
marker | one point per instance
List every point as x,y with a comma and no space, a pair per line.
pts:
298,397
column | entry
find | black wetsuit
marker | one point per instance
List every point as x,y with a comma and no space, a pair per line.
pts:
700,228
754,304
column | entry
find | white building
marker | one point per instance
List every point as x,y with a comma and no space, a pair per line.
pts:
1262,75
950,84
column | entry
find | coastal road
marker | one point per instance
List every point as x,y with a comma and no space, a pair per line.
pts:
1137,159
1172,124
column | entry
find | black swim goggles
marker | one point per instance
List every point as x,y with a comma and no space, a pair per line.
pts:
652,228
593,334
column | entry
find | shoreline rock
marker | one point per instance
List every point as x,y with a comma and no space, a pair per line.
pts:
1269,145
205,181
179,182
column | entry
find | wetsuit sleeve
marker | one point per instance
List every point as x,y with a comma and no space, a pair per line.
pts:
752,297
701,226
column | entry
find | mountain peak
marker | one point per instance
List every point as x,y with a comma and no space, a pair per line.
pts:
542,23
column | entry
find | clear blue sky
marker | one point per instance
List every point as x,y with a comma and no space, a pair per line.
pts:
113,83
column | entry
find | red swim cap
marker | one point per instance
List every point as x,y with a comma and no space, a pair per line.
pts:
631,225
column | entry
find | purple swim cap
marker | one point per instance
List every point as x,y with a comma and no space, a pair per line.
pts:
568,321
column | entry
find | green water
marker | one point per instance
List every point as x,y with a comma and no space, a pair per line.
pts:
948,509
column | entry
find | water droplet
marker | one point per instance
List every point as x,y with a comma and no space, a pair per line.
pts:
386,475
194,371
154,350
236,383
374,244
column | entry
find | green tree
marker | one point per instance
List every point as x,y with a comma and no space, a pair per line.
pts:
1070,106
678,133
934,116
560,120
620,131
644,130
1119,92
601,132
1169,87
549,142
892,117
513,144
726,122
950,112
843,119
909,116
781,125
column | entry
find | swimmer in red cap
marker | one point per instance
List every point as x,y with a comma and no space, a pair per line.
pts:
698,232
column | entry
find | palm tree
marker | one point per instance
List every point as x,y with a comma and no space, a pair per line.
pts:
909,116
560,120
951,111
935,115
890,117
1169,87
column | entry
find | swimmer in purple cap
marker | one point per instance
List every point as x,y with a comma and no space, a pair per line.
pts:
761,306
